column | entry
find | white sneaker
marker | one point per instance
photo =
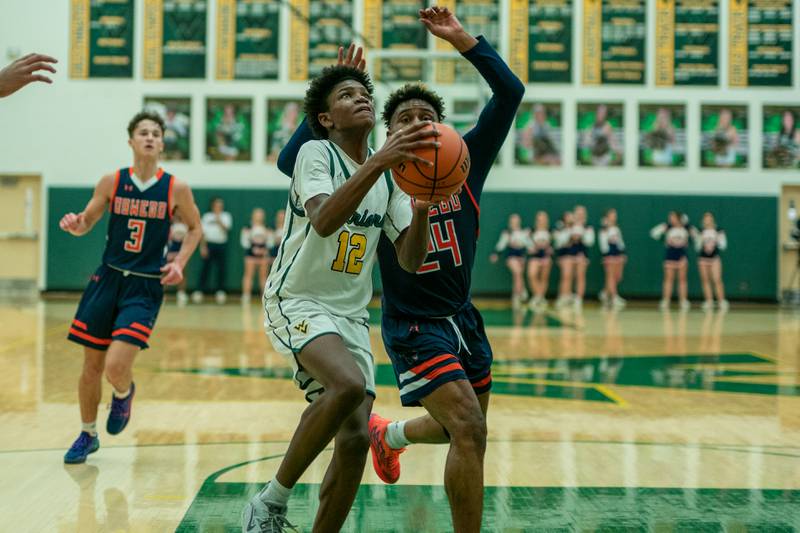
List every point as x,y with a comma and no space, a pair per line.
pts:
261,517
220,297
618,303
708,305
685,305
577,302
245,299
603,297
724,305
197,297
563,301
663,305
182,298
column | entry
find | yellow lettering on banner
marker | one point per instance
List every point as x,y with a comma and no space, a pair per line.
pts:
737,43
519,38
226,39
298,50
665,43
446,68
79,39
153,57
592,41
373,31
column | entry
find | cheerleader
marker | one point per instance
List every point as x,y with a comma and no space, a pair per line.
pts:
676,239
565,252
540,253
514,241
256,240
709,243
177,231
583,238
612,247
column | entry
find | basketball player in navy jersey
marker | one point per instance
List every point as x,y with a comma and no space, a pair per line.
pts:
118,310
434,335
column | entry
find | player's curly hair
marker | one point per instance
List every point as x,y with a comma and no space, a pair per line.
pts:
412,91
316,100
145,115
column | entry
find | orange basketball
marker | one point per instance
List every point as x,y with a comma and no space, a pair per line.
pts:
450,167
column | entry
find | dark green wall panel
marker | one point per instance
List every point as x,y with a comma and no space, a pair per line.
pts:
750,269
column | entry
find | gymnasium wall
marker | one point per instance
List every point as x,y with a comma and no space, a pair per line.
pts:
748,272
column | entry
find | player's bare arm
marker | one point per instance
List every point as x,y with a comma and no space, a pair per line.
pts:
329,212
23,71
412,244
81,223
186,208
442,23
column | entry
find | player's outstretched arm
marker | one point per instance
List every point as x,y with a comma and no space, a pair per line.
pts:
81,223
412,244
190,215
442,23
23,71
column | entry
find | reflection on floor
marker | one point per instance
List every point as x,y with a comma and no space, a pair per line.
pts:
637,421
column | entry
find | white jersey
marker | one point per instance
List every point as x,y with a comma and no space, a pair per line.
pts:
333,272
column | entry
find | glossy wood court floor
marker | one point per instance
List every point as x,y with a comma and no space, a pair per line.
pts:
599,421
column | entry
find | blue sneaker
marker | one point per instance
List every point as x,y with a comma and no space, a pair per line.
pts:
81,448
120,412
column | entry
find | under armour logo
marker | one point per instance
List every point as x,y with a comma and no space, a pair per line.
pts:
302,327
128,188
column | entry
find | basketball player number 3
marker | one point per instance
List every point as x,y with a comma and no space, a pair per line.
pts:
350,255
137,235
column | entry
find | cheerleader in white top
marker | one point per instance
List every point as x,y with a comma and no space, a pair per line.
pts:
612,247
256,239
565,253
514,242
540,260
583,238
676,239
709,242
177,231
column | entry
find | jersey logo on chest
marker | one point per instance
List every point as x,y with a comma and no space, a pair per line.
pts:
366,220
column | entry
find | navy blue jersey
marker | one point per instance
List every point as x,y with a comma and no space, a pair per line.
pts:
442,285
138,227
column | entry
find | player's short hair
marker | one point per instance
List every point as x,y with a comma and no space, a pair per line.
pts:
316,100
145,115
412,91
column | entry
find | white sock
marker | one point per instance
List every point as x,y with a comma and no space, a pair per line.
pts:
122,395
90,428
396,435
275,493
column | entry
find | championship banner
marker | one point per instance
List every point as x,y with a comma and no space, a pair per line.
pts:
760,43
247,39
101,39
174,39
318,29
394,25
479,17
614,33
541,40
687,42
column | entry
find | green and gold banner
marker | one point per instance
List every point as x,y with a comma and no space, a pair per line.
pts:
101,39
541,40
174,39
479,17
318,28
760,43
687,42
394,25
247,39
615,37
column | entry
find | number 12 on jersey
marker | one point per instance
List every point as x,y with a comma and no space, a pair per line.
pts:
350,254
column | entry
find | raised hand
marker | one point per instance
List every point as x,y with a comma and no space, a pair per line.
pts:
24,71
442,23
353,58
400,145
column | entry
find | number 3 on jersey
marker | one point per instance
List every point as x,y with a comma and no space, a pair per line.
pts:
134,244
440,241
350,255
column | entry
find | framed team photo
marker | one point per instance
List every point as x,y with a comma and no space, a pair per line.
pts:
177,115
781,137
538,134
229,129
283,118
601,135
662,135
723,136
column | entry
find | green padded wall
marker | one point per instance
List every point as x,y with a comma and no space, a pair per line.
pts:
750,267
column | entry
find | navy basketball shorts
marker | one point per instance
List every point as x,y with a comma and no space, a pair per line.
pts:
427,353
116,307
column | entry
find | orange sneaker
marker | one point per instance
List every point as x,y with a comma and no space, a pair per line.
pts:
385,460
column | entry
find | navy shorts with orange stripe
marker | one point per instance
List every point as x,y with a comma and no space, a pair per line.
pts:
116,307
427,353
